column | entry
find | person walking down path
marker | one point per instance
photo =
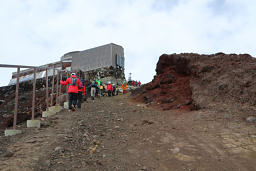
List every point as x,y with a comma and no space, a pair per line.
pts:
81,94
114,92
109,89
101,90
73,84
139,83
124,87
93,87
98,81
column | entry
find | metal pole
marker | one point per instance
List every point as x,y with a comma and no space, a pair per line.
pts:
67,89
52,85
16,99
61,78
47,92
34,95
60,84
57,91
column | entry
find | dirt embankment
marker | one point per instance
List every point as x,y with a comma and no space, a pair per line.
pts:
7,101
194,81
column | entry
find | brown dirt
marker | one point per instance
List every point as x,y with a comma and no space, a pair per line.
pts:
115,134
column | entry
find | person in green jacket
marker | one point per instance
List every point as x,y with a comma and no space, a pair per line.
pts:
98,81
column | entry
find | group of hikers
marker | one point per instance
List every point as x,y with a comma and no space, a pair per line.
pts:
77,90
134,83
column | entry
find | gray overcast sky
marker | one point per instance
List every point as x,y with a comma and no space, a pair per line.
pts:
37,32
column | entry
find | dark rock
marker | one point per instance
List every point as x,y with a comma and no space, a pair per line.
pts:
8,154
222,86
147,100
178,106
144,122
169,100
207,68
1,102
59,149
188,102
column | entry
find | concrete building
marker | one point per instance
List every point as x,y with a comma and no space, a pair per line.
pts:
104,62
95,58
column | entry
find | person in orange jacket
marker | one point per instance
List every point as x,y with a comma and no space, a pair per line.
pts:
81,94
124,87
73,84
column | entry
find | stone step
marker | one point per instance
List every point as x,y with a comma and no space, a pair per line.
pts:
33,124
48,113
11,132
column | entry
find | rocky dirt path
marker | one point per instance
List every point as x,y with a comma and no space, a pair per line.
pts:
114,134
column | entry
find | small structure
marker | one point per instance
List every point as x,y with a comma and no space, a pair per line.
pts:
104,62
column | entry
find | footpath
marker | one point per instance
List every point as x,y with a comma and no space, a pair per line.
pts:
116,134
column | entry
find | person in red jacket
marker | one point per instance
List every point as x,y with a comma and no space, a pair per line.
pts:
139,83
109,89
73,84
81,94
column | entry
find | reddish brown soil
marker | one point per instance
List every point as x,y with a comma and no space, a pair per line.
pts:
194,81
167,91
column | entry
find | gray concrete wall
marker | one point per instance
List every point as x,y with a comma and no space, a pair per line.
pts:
99,57
116,49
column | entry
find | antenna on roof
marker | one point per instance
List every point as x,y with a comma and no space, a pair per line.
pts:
130,77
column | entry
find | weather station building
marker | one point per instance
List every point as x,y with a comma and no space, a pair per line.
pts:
104,62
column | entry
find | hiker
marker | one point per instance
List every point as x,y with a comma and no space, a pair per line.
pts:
81,94
113,90
98,81
133,83
124,87
73,83
93,87
101,90
109,89
139,83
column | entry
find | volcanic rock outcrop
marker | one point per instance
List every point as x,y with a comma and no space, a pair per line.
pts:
7,99
194,81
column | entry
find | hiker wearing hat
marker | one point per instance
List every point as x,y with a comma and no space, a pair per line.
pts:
73,84
109,89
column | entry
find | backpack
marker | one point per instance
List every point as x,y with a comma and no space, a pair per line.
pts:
73,81
82,83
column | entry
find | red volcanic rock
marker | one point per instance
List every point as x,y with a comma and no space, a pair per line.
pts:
192,81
